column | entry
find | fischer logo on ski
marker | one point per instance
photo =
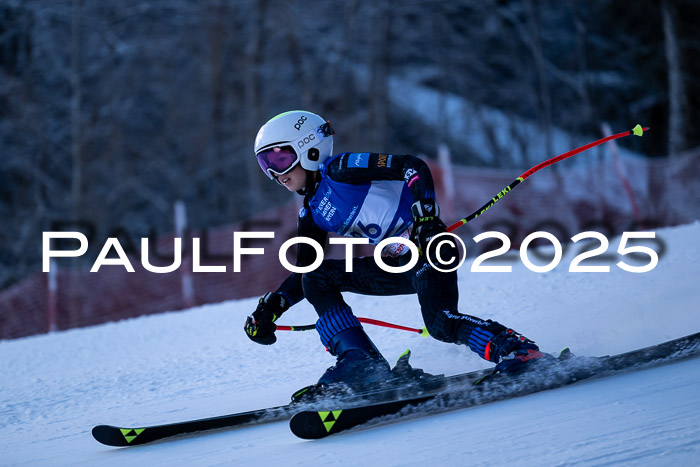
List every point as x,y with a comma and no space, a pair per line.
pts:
130,434
329,418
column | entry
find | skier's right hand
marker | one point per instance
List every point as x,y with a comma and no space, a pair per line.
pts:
260,327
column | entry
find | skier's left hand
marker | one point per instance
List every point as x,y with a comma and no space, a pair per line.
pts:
426,223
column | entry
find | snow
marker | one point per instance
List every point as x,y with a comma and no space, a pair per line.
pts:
198,363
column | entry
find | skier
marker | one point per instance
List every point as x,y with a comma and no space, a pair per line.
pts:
375,196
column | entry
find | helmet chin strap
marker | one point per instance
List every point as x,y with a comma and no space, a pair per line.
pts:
310,185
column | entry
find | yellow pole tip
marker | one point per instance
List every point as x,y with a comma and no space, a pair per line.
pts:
638,130
424,332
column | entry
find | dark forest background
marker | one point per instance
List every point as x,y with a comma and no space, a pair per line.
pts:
110,111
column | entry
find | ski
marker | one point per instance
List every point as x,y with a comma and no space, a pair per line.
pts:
327,419
142,434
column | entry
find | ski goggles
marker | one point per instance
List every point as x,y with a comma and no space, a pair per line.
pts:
277,160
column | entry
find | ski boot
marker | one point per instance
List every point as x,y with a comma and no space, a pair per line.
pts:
515,354
360,368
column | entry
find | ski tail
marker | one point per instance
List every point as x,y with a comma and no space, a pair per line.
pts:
121,437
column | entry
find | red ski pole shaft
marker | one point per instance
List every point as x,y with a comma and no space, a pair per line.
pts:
308,327
376,322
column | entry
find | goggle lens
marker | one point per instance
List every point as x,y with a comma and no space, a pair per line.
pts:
279,160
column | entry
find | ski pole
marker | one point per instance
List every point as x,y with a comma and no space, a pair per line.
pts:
308,327
637,131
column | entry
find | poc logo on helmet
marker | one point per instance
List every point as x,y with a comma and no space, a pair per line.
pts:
306,140
299,123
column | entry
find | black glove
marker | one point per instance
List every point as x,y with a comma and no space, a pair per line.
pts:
260,327
426,225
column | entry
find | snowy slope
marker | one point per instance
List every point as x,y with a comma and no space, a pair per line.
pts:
198,363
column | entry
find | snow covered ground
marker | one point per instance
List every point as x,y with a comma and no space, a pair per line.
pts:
198,363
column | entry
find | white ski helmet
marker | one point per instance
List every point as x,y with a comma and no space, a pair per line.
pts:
309,137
